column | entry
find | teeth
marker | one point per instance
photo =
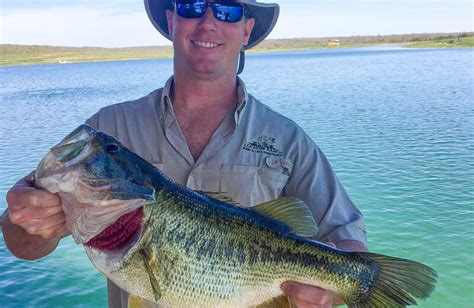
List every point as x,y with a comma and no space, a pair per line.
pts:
205,44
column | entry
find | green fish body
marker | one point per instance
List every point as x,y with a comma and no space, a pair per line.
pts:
170,245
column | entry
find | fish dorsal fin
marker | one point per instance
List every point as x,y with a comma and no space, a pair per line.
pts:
278,302
292,211
219,196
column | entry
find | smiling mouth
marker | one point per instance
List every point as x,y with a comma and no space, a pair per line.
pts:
205,44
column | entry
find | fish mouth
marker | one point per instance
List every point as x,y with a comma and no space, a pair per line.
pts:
70,151
73,144
124,232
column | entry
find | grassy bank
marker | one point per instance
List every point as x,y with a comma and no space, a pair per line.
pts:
425,40
34,54
451,42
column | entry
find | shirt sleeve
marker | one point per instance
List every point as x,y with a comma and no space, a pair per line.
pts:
314,181
108,120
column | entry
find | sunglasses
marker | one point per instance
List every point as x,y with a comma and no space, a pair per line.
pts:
226,11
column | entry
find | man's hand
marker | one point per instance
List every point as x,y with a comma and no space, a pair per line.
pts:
34,222
307,296
37,211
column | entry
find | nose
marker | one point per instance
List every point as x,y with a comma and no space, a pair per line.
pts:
208,21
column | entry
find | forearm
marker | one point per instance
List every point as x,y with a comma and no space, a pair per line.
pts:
24,245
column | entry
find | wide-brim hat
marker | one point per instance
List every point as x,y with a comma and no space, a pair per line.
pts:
265,15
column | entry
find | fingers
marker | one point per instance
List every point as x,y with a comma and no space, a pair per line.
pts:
23,194
31,177
304,304
37,211
306,296
30,213
48,227
59,230
34,225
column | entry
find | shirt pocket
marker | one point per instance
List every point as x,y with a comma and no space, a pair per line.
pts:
249,185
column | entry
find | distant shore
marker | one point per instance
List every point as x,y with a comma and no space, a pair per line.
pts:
39,54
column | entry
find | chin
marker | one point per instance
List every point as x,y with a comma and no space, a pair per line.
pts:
213,69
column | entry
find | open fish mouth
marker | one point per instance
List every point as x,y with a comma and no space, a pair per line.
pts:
124,232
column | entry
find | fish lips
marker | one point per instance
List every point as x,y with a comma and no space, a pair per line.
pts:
104,214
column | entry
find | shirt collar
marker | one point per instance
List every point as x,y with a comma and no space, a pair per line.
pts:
166,98
242,98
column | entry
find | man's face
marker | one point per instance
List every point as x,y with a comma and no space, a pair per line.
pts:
206,45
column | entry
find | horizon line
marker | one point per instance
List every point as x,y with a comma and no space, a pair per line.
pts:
268,39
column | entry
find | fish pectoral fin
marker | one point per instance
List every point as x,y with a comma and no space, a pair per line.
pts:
155,286
138,302
282,301
292,211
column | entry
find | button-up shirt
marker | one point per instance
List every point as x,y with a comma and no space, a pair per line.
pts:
255,155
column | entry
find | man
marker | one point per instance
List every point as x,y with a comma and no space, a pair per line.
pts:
207,133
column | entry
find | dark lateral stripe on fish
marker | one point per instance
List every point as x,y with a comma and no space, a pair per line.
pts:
243,251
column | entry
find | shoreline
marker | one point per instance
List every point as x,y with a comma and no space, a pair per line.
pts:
23,55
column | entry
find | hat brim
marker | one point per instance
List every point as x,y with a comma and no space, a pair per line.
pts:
265,15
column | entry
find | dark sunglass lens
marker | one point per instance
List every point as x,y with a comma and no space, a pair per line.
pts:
191,9
228,12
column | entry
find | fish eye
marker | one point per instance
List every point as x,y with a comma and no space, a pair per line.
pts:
111,148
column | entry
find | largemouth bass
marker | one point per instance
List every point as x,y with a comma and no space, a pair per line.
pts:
176,247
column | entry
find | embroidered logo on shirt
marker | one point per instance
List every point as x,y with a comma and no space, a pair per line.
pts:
264,144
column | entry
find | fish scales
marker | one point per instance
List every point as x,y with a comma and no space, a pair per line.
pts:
230,255
169,245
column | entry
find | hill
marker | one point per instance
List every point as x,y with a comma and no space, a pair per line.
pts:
40,54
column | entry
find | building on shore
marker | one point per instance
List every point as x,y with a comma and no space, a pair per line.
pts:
334,43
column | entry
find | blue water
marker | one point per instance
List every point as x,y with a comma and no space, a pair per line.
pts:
396,124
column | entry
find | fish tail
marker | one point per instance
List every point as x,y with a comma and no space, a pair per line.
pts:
398,283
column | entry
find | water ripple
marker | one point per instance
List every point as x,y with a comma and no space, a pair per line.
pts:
397,126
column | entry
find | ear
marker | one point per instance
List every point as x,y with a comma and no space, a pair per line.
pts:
249,23
169,19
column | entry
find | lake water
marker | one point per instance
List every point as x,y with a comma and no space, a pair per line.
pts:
396,124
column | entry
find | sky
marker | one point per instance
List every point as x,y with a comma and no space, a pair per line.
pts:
123,23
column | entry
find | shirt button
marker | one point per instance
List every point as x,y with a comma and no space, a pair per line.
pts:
286,164
272,162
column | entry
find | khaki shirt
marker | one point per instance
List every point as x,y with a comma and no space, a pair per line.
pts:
255,155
